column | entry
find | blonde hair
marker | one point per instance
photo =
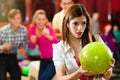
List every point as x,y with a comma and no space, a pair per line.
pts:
40,11
13,12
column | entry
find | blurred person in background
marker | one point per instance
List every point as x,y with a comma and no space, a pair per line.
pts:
116,33
110,41
13,38
95,25
43,35
58,17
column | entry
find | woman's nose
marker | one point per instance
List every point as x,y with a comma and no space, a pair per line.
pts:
79,27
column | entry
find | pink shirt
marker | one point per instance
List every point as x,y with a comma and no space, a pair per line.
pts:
45,45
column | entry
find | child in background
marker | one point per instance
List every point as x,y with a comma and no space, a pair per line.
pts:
13,39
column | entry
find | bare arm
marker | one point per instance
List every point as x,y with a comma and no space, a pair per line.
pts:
60,73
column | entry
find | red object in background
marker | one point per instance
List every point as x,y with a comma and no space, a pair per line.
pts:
115,5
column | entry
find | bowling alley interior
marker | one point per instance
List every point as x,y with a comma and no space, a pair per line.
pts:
104,21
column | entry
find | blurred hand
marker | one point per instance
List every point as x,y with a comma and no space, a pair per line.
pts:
22,51
46,32
7,46
33,38
84,72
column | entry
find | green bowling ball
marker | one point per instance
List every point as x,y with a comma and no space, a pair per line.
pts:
95,57
25,70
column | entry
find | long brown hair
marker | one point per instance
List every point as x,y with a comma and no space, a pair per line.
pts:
75,10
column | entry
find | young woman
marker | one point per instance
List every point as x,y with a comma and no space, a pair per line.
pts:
43,35
75,31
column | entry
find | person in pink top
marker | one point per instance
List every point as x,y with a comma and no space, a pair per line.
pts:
43,35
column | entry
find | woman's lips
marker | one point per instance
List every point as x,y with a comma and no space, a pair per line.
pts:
79,33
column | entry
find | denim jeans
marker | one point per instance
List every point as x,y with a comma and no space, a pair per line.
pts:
46,70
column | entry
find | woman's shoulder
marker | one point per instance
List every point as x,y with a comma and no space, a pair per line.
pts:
59,44
98,38
32,26
32,29
49,27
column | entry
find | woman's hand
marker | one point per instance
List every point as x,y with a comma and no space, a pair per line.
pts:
84,72
33,38
46,32
108,73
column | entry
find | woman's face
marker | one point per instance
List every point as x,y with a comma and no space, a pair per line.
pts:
115,28
77,26
40,21
108,28
65,4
